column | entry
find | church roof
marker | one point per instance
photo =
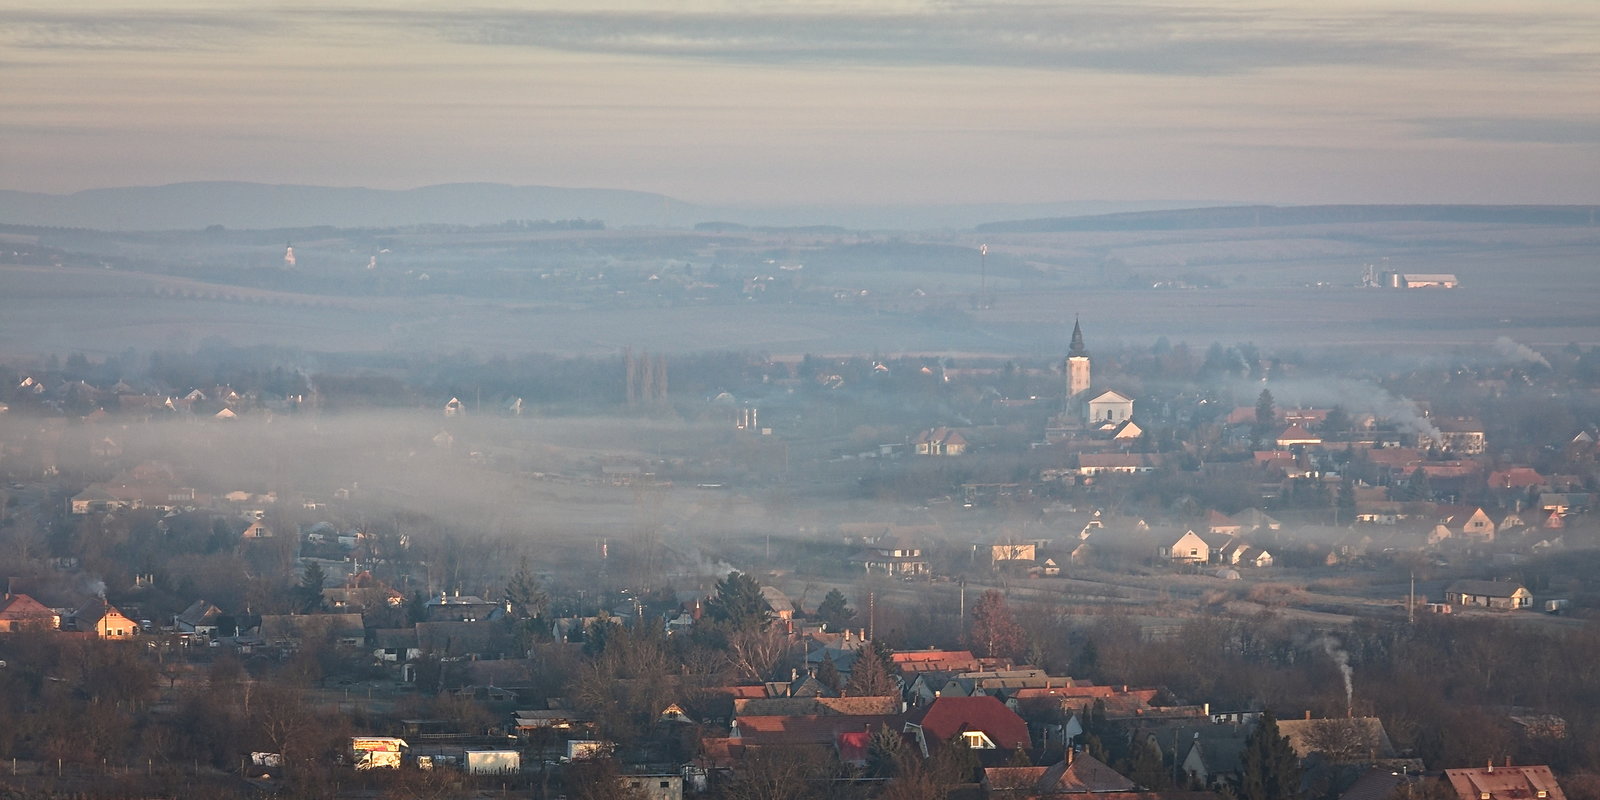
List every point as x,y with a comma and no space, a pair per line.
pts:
1077,350
1111,396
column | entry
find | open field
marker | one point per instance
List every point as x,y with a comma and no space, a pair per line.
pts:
587,293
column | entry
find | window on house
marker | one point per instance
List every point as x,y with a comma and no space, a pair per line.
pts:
663,784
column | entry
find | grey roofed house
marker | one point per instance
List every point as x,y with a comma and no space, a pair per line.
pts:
459,608
500,673
1344,739
1077,773
1256,519
808,686
816,706
292,630
843,659
395,644
200,617
557,718
1205,751
456,639
1084,773
777,602
1489,594
1378,783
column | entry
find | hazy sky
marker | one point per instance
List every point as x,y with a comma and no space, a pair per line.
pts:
800,102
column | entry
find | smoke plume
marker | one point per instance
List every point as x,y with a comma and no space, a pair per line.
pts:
1513,351
1341,658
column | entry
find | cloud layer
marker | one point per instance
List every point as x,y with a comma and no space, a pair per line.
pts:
907,101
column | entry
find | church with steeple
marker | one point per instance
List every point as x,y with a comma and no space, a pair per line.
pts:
1090,409
1077,365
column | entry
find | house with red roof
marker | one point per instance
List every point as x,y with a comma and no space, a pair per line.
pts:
940,442
19,612
1504,783
1515,478
781,730
981,722
933,660
1296,435
1078,773
1218,522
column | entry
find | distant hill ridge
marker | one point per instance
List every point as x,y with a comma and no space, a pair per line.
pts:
259,206
1277,216
185,206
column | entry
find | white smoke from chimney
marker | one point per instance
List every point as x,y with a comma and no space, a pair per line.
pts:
1354,395
1341,659
1513,351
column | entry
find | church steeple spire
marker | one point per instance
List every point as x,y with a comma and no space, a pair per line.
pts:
1077,365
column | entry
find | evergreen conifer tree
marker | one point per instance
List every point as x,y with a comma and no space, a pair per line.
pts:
1270,769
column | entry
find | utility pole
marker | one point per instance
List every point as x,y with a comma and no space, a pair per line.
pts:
962,622
983,276
1411,601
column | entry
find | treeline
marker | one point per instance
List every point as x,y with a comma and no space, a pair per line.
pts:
1445,688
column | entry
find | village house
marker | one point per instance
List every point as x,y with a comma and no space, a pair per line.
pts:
395,645
1339,739
1007,549
1218,522
200,619
779,606
1212,755
982,723
458,608
1076,773
1502,595
1294,435
1090,464
103,620
292,631
1504,783
19,612
939,442
1190,548
893,553
1461,435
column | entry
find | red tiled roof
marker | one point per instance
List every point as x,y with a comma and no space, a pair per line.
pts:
948,716
913,656
1085,774
1515,478
772,731
853,746
22,607
1394,456
1295,433
1504,783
